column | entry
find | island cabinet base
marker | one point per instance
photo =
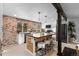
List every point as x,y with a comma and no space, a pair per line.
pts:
32,54
30,45
39,46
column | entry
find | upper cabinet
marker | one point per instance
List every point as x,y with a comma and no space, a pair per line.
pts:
36,26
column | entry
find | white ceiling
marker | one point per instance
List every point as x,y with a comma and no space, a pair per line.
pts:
71,10
30,11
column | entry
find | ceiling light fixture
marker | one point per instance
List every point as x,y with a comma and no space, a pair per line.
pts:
39,16
14,14
45,19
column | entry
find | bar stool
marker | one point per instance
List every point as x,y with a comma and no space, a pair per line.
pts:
41,49
47,46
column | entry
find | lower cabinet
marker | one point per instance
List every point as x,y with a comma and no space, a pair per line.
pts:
30,44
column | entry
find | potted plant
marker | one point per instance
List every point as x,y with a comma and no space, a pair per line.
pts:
71,31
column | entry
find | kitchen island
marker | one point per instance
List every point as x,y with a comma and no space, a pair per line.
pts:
39,43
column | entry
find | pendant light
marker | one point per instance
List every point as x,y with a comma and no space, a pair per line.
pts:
39,20
45,19
39,16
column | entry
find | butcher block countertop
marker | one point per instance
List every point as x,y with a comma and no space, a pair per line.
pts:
38,35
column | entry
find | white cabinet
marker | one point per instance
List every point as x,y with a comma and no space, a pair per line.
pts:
20,38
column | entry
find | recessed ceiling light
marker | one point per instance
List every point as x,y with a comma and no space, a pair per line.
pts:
14,14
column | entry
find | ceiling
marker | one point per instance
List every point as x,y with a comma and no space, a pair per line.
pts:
71,10
30,11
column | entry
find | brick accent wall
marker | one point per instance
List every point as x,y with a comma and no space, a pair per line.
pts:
10,28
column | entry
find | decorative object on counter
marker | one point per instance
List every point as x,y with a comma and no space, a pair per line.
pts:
71,32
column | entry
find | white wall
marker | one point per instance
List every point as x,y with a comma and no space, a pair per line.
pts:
1,32
1,21
52,21
76,21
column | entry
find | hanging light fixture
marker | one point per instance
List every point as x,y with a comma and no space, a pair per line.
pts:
45,19
39,16
39,20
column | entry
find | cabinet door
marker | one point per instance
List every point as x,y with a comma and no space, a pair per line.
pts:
30,44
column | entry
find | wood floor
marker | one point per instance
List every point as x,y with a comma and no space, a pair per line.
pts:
20,50
15,50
